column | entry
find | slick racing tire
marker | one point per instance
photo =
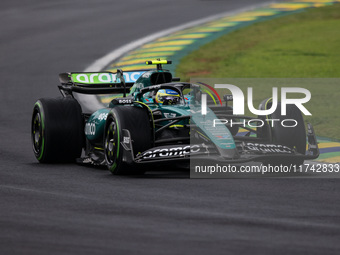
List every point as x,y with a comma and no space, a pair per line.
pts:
136,120
57,130
292,137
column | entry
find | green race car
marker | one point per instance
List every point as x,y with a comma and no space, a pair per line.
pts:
155,119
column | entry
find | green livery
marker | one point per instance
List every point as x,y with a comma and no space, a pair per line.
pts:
154,118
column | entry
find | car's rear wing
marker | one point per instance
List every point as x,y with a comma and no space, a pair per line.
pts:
98,82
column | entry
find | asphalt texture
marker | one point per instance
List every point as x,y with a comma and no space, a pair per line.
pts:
71,209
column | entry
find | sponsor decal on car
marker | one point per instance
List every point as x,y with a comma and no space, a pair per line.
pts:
268,148
103,78
90,129
122,101
169,115
102,116
172,151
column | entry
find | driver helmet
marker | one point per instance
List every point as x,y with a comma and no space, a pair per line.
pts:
167,97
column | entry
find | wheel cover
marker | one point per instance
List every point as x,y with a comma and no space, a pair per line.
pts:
37,133
111,144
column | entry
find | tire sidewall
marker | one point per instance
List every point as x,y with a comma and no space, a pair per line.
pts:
115,166
63,130
293,137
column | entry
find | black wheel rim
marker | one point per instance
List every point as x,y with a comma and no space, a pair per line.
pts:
37,133
110,144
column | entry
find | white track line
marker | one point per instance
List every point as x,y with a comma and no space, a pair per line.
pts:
104,61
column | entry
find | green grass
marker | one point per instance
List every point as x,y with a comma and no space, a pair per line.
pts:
302,45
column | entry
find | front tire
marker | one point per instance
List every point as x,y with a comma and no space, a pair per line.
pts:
292,137
136,120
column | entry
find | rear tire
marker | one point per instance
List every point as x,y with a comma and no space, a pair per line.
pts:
57,130
137,121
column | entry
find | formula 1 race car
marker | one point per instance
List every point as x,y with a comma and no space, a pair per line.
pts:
159,121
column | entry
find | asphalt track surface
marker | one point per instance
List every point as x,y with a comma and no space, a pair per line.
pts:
69,209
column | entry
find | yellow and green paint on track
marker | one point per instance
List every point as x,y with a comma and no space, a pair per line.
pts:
179,44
